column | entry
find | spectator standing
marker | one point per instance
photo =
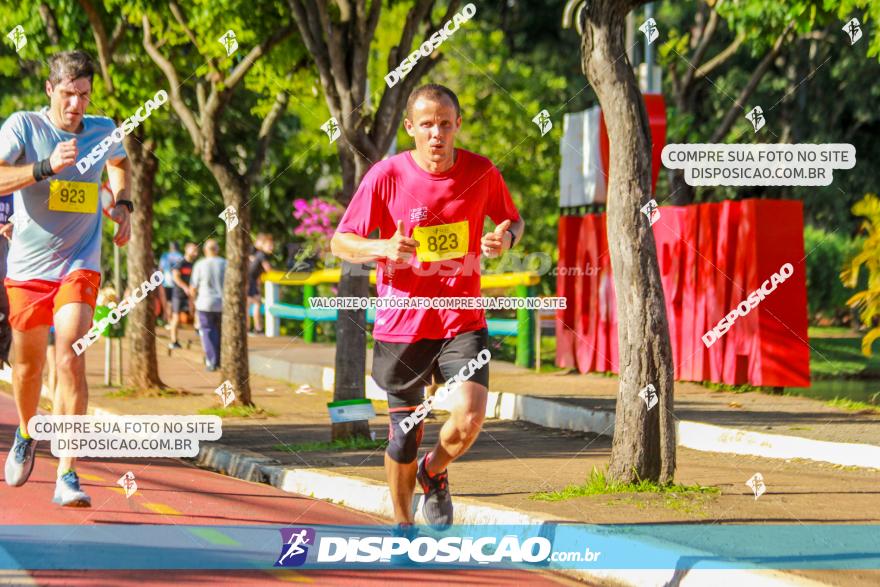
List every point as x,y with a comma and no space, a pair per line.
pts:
166,263
206,284
181,295
259,264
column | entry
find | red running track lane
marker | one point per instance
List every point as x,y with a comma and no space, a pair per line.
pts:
171,491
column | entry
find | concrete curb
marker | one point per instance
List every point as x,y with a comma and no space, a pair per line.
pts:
371,497
555,414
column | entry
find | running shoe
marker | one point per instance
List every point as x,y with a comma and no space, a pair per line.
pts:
174,345
68,492
410,532
437,508
20,461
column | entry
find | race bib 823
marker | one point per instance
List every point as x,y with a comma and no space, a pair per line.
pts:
441,242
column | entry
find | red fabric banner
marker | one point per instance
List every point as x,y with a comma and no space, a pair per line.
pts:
711,258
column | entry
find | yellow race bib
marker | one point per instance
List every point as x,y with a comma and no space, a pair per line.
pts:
441,242
73,196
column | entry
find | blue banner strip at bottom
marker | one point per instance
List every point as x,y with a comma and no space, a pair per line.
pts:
548,546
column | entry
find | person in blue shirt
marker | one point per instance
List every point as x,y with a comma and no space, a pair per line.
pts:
53,161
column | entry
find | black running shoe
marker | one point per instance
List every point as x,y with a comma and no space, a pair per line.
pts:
437,508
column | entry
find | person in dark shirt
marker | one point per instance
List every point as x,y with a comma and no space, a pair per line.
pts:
5,230
181,295
259,264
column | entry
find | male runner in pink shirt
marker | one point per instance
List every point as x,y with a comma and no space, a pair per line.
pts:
429,205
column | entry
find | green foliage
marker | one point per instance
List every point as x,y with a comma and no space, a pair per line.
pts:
835,358
599,484
868,300
353,443
237,411
826,253
854,406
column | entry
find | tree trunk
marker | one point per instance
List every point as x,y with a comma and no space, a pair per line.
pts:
144,371
351,325
681,193
644,440
234,341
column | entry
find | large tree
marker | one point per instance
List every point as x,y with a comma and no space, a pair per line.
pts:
644,439
204,101
116,53
339,40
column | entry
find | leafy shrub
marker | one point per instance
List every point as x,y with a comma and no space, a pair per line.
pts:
826,255
867,300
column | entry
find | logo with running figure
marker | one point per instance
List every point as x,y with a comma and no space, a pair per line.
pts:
295,546
756,484
651,211
542,119
128,483
854,29
230,217
18,38
331,127
229,42
756,117
649,28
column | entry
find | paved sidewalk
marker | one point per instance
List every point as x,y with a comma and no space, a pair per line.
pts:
759,412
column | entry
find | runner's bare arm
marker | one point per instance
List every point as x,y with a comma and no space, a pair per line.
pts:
518,228
16,177
357,249
119,173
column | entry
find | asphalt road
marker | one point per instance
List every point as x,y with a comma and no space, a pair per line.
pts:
174,493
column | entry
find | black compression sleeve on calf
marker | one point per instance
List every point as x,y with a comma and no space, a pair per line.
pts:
404,437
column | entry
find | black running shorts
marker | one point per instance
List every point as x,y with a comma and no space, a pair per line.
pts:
404,369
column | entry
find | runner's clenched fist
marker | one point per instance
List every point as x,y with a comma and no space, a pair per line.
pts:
63,156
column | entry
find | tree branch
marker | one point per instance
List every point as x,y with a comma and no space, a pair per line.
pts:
180,107
719,59
393,99
50,22
264,136
245,65
182,21
733,112
316,47
100,35
705,36
416,15
118,32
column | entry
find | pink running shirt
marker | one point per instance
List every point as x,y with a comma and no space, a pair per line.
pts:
398,189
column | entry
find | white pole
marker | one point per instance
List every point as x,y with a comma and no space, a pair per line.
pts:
272,294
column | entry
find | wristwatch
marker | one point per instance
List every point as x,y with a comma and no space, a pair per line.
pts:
512,238
127,204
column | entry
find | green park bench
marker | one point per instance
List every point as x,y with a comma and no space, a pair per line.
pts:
523,326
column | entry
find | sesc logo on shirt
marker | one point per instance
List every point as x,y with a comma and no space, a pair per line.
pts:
418,214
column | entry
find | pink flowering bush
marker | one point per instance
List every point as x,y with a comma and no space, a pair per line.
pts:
317,222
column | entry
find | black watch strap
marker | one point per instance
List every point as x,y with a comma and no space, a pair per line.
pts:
512,238
127,204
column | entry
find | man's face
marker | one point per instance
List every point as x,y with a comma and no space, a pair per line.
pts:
192,251
268,245
68,100
434,126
